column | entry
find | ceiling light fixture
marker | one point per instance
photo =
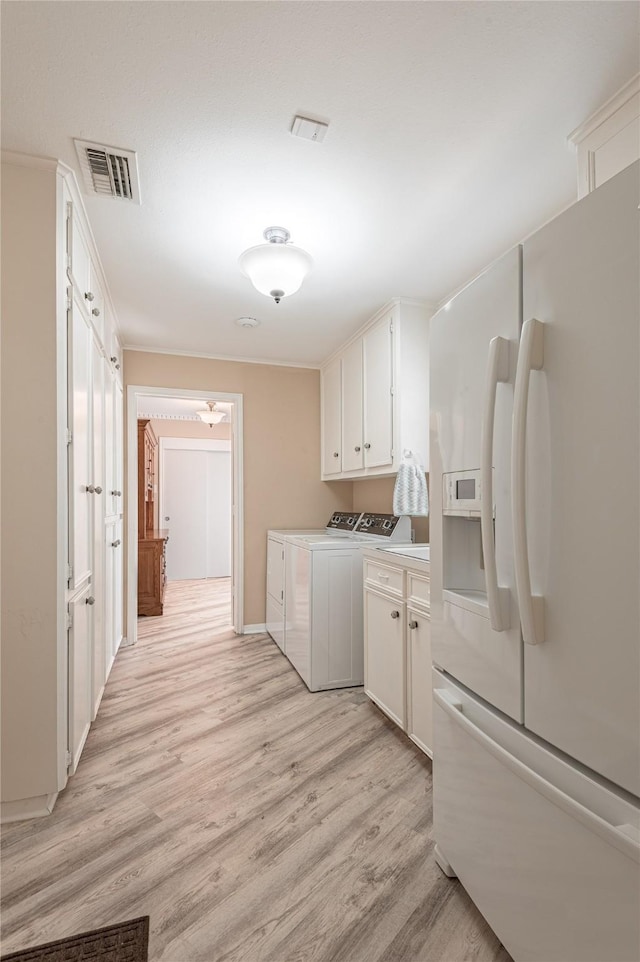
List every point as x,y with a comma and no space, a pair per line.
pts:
211,416
277,268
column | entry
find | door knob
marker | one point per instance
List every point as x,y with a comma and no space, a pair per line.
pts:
95,311
98,489
90,600
357,449
167,518
395,614
335,454
367,446
90,489
413,624
89,296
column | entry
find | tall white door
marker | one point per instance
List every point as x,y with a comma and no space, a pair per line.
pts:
582,688
196,508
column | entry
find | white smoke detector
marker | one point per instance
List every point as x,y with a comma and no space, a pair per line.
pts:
247,322
309,129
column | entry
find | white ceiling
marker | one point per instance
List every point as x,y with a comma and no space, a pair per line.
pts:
446,145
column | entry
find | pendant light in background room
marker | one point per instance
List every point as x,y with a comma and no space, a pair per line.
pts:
211,416
277,268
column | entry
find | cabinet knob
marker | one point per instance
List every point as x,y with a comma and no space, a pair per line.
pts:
90,489
98,489
335,454
90,600
117,367
88,296
95,311
116,543
413,624
116,494
357,448
395,614
367,446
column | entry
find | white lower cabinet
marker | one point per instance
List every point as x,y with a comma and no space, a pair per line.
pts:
397,644
80,666
419,709
385,654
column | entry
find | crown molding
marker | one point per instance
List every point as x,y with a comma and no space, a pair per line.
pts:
220,357
630,89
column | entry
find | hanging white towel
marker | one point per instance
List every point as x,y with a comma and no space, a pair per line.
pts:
410,495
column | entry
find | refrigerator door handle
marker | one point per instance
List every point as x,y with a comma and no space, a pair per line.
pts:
497,371
530,357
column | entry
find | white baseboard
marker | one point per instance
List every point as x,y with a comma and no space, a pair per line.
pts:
254,630
23,808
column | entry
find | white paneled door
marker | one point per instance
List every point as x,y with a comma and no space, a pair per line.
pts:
195,493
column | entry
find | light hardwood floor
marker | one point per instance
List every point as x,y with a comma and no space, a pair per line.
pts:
253,821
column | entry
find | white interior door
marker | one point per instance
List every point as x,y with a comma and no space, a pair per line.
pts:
195,491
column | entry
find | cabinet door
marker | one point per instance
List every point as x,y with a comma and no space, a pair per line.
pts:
110,499
384,659
352,445
80,260
80,704
80,466
96,306
118,421
99,658
378,397
113,590
420,726
331,420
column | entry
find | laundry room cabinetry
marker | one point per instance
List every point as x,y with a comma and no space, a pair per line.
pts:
382,395
59,383
331,419
397,642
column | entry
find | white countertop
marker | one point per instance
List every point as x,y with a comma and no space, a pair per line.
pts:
415,556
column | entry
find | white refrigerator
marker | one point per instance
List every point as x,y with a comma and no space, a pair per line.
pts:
535,585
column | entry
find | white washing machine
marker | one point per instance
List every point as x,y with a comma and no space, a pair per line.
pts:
319,623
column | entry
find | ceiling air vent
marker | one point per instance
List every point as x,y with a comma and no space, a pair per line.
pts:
109,171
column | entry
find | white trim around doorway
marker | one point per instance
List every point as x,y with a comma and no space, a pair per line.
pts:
135,391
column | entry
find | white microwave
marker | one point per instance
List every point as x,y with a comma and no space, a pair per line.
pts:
462,494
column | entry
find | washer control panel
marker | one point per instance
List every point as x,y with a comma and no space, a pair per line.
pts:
381,525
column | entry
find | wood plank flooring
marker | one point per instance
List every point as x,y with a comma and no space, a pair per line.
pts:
253,821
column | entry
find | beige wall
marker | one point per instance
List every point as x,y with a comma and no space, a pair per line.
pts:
282,487
377,495
29,483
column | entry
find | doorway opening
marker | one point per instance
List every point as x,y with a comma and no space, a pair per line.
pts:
184,507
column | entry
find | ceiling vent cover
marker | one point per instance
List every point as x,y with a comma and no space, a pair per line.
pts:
109,171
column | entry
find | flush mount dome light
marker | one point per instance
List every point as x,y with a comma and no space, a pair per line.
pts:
211,416
277,268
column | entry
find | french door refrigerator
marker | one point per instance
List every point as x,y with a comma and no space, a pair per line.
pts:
535,581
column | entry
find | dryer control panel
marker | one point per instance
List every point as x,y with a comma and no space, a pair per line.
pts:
343,522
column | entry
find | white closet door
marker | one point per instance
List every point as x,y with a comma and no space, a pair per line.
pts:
80,466
196,498
99,659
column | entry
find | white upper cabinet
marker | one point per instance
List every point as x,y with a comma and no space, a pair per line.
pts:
382,395
352,408
331,419
609,140
377,363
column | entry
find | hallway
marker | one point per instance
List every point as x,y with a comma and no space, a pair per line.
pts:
250,819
